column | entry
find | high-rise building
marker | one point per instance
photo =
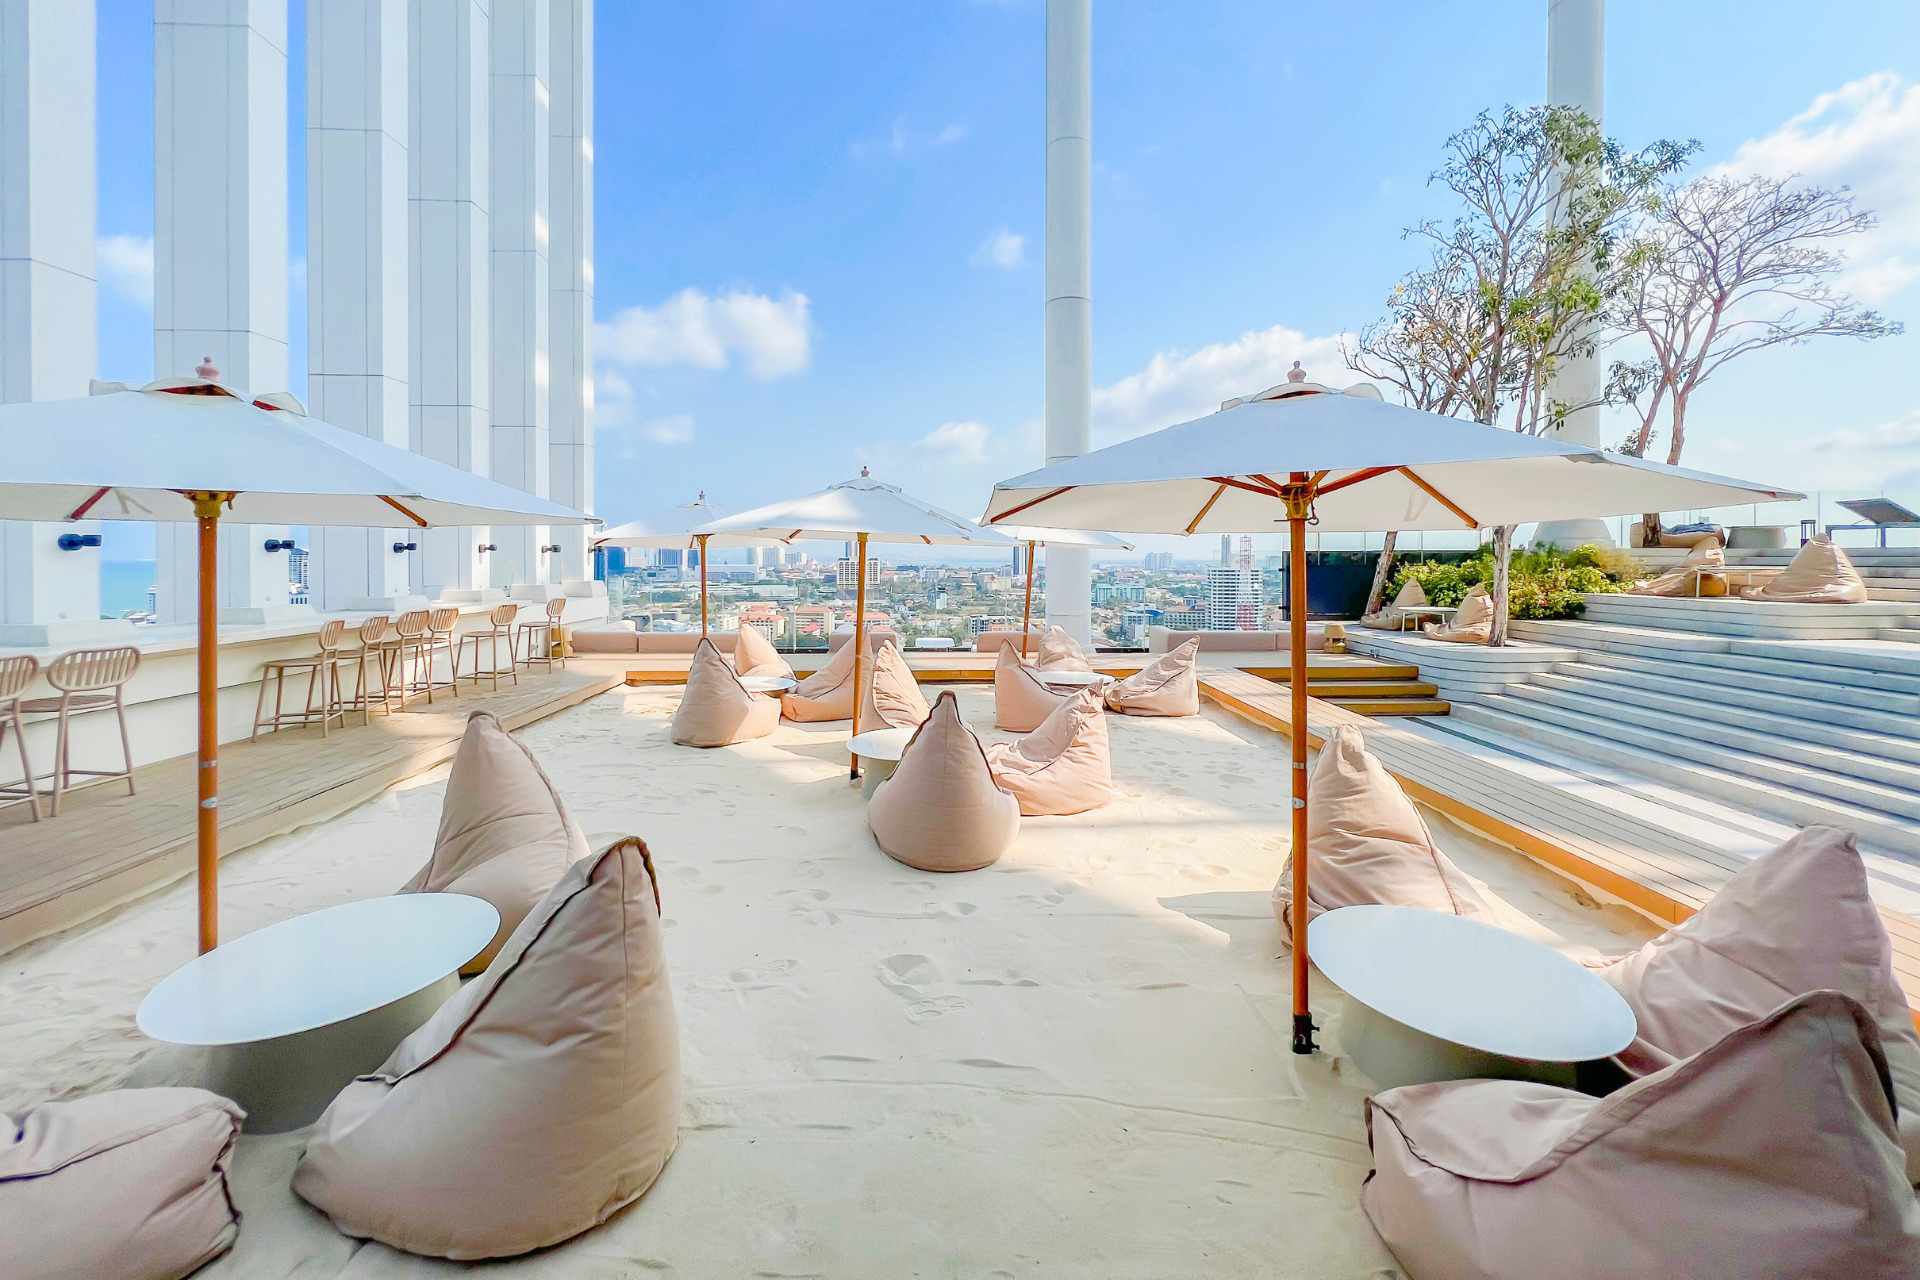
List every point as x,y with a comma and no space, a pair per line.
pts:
1226,550
847,574
1159,561
1233,599
1107,593
670,558
1184,620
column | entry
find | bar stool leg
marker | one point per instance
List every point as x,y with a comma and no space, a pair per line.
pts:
126,747
26,765
59,756
260,703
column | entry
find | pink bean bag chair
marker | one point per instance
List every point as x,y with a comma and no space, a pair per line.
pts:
1021,702
893,698
1472,621
504,834
127,1185
1064,766
1367,844
754,654
537,1103
827,694
717,710
941,810
1060,652
1706,554
1797,919
1168,686
1393,617
1820,574
1770,1155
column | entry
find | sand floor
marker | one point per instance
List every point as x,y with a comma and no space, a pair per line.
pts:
1072,1064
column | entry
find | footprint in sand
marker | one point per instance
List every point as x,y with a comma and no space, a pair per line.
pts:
807,871
907,974
772,969
938,1007
803,895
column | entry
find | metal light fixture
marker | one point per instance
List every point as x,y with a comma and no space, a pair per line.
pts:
486,547
278,544
75,541
554,549
401,548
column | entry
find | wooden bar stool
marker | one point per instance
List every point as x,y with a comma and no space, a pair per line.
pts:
379,645
323,686
440,625
16,673
540,637
83,678
410,640
502,629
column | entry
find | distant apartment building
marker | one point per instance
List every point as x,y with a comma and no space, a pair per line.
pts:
765,619
1134,622
671,558
1159,561
297,576
1233,599
937,599
1111,594
990,621
847,573
1183,620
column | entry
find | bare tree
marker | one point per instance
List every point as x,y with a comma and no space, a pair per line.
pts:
1733,266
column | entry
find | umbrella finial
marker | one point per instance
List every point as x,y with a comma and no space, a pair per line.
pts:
206,370
1296,374
865,474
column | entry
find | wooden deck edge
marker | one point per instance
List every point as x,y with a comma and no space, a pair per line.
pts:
171,862
1568,861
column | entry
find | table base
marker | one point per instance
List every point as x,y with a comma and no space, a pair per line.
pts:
1394,1054
872,773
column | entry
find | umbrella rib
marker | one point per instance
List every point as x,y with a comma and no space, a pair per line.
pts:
1195,524
1355,478
80,512
403,511
1242,484
1045,497
1438,496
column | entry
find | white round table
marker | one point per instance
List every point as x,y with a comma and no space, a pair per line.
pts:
1075,679
768,684
1434,996
291,1013
881,749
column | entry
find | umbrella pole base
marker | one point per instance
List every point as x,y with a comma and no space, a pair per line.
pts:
1303,1030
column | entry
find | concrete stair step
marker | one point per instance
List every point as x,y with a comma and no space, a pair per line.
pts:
1829,693
1887,830
1785,720
1709,744
1870,663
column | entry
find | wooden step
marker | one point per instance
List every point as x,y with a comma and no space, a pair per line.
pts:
1392,706
1338,689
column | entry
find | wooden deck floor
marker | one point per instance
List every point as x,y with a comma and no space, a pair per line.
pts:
962,668
1662,873
107,847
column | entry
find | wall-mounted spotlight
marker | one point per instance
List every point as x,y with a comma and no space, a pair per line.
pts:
278,544
401,548
75,541
554,549
486,547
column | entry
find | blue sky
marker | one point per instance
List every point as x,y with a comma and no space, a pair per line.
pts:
819,225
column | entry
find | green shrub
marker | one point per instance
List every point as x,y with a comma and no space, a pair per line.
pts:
1541,585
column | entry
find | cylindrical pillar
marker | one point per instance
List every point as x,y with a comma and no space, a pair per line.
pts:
1069,270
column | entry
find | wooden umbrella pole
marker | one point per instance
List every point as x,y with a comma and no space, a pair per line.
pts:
206,509
702,540
1299,496
1026,619
859,644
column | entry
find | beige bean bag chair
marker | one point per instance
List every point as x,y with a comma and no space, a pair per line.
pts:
1021,702
1769,1156
504,834
1393,617
127,1185
754,654
1797,919
1064,766
536,1103
1820,574
941,810
1060,652
1706,554
1637,537
1472,622
1167,686
893,698
827,694
717,710
1367,844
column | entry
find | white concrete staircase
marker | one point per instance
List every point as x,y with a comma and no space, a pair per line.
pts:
1800,730
1892,575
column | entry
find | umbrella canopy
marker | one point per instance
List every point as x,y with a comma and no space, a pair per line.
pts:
1065,537
861,507
673,529
136,455
1301,453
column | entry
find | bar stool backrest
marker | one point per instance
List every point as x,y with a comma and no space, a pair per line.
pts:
374,629
16,673
330,635
556,607
503,615
442,620
85,670
411,624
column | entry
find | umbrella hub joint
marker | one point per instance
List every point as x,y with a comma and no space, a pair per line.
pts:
1298,498
207,504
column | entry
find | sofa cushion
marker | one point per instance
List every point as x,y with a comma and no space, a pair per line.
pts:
1820,574
1770,1154
893,696
680,641
1798,918
716,710
1020,701
504,836
941,810
1060,652
1167,686
1367,844
994,639
1064,766
1165,640
536,1103
877,635
1472,621
754,654
126,1185
610,639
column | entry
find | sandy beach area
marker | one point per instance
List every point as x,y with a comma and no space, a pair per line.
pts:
1071,1064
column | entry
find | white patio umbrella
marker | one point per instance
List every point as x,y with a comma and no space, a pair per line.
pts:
672,529
192,449
1301,454
1035,538
865,510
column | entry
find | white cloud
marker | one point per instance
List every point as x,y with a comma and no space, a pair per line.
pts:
1002,249
965,440
674,429
1176,388
1864,135
901,141
126,266
771,337
1904,433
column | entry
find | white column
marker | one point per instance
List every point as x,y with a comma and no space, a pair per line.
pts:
1069,330
570,276
1576,60
517,215
220,248
47,273
449,306
357,268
